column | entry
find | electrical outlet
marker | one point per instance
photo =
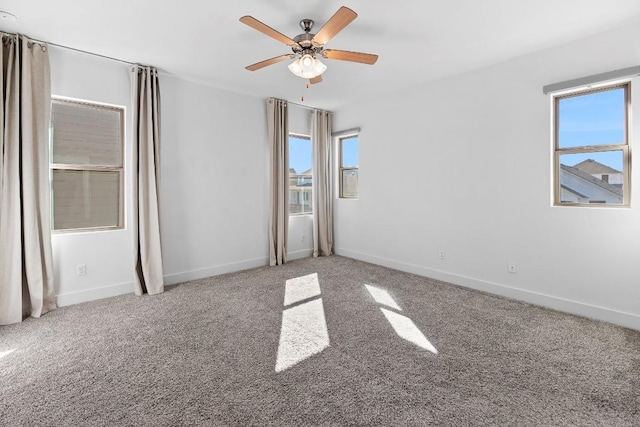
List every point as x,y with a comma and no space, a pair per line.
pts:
82,270
302,238
442,255
512,267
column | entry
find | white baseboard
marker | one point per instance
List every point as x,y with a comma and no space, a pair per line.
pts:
173,279
77,297
85,295
561,304
307,253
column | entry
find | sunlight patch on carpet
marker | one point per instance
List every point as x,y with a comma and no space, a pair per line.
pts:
382,297
301,288
303,334
6,353
406,329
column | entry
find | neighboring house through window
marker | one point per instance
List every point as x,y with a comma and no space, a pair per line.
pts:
348,165
86,166
591,147
300,178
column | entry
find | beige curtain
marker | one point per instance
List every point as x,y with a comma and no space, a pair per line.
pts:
322,189
147,253
26,265
278,132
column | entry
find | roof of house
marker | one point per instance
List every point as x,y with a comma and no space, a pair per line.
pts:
591,166
591,179
292,171
571,190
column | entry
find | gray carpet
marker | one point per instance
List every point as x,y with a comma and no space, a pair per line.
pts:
204,353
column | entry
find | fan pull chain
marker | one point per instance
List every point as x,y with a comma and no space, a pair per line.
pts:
306,87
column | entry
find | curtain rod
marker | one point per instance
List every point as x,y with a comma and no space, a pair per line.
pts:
306,106
302,106
590,80
134,63
84,51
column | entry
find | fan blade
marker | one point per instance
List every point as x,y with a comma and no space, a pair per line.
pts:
265,29
262,64
315,80
334,25
344,55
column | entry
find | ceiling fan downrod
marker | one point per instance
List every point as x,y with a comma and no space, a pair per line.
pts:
306,25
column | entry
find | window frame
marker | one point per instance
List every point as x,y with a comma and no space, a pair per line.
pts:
584,149
310,198
119,169
341,169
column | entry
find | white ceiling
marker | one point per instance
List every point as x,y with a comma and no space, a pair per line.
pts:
417,40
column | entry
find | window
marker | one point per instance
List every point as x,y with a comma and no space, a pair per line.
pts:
86,166
592,147
348,166
300,178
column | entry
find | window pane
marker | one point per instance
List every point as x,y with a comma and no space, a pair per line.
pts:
349,152
592,119
350,183
85,134
592,177
85,199
300,178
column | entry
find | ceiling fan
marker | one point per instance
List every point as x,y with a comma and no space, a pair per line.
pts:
308,47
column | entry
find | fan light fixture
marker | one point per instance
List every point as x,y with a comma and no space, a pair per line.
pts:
307,47
307,67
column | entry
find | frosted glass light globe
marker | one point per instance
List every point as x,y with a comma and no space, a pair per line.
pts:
307,67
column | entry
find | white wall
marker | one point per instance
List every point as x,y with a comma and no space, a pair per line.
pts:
214,198
107,254
464,165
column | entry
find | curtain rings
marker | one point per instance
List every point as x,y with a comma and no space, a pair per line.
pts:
42,46
7,39
144,69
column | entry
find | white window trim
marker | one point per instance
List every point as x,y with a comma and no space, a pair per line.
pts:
299,214
107,168
339,136
624,147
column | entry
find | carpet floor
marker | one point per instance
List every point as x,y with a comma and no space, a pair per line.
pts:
405,350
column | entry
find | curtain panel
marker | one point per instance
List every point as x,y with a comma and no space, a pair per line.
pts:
278,134
321,127
26,262
147,251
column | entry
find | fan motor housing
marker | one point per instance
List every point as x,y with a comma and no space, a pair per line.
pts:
304,42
